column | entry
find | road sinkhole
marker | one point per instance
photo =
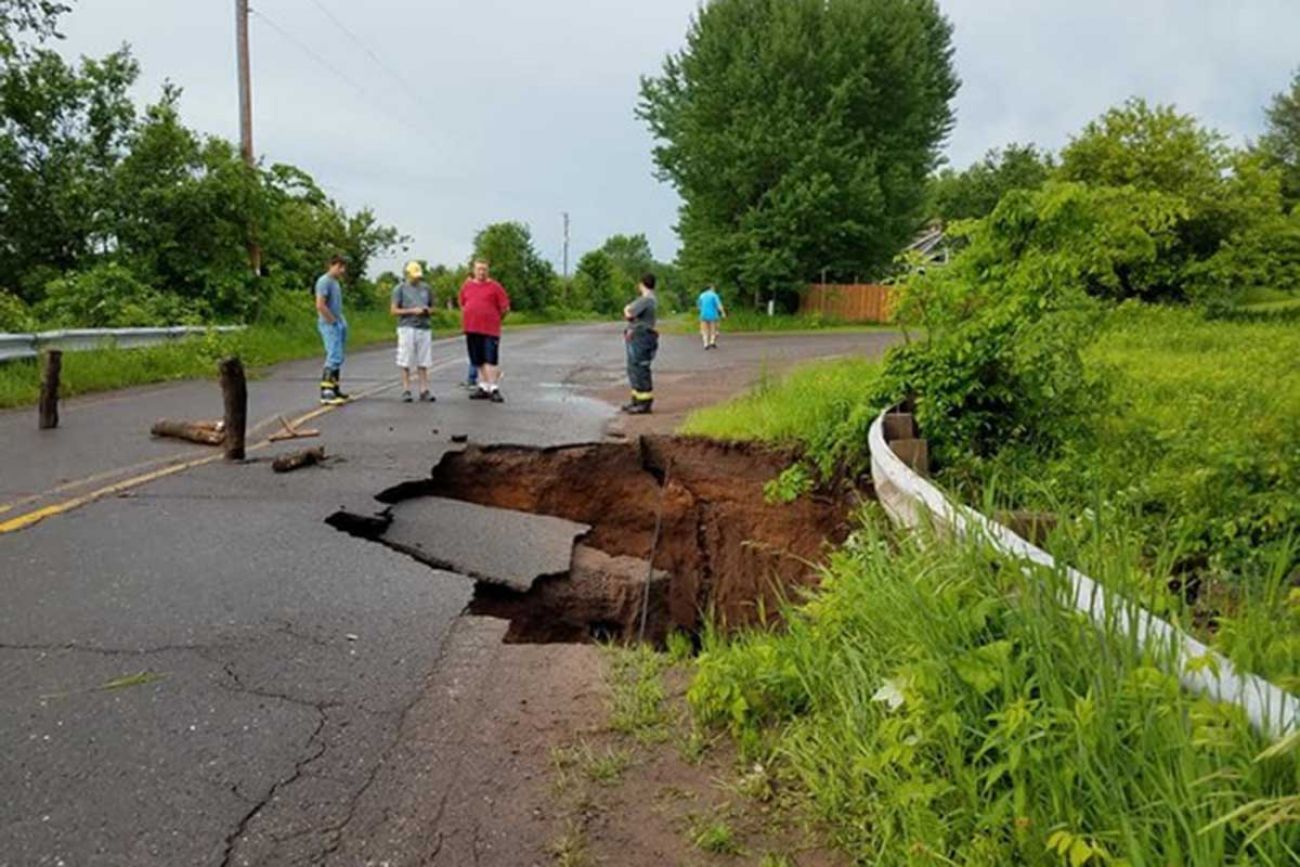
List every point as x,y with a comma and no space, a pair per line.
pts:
558,540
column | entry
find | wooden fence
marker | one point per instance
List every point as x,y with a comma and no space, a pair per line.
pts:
865,302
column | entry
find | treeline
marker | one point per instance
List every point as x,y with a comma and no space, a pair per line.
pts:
603,282
115,215
1145,202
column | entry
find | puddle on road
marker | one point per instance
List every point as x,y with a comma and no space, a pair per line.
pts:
722,552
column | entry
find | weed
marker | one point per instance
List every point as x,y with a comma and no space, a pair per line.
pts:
570,848
680,647
714,836
601,766
637,693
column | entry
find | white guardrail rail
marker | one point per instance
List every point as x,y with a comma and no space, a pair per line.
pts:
16,346
911,500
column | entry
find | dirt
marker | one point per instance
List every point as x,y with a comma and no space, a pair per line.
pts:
695,507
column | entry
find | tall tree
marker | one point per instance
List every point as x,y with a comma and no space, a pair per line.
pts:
976,191
515,263
21,20
1281,143
800,133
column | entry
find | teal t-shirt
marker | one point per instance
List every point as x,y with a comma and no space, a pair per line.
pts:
710,305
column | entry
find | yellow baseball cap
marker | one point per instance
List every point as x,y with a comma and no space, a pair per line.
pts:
414,271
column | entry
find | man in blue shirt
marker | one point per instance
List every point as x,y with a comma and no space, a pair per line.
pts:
711,312
333,329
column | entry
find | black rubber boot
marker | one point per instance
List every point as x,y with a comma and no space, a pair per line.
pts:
334,378
328,391
639,407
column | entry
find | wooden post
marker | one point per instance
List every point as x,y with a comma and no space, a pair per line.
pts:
51,367
234,391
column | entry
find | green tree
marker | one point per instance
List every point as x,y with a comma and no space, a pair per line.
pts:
1281,143
1218,196
976,191
34,19
529,278
800,134
63,130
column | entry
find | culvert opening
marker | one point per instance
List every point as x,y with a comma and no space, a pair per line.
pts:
723,551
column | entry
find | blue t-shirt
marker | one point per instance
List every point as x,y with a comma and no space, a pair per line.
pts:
329,289
710,305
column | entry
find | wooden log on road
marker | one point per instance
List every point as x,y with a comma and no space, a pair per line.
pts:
295,460
51,367
234,391
204,432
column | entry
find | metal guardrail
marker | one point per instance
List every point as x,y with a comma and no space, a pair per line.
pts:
17,346
911,500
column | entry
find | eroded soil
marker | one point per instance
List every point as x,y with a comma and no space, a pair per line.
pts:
694,507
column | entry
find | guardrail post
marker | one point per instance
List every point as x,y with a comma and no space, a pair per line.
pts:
51,367
234,391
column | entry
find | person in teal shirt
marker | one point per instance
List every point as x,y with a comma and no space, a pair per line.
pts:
711,313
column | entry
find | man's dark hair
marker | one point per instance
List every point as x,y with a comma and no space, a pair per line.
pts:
648,280
338,260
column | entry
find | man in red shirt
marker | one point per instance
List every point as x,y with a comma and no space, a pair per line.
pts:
483,303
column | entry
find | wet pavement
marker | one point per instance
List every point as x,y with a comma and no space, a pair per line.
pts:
196,669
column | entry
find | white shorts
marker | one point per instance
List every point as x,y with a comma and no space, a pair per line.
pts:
414,347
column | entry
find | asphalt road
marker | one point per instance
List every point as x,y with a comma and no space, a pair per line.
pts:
194,667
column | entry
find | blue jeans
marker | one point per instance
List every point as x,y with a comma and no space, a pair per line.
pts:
334,335
471,374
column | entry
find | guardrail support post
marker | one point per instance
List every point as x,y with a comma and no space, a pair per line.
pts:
234,391
51,367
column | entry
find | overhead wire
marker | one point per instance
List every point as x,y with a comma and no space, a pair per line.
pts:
410,89
362,90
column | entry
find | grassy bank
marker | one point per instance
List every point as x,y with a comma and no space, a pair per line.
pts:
940,706
259,346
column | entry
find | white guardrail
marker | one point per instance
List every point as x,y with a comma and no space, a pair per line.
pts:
16,346
910,500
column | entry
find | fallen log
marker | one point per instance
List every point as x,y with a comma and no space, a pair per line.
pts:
296,460
204,432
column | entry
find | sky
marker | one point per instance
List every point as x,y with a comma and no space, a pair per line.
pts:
446,115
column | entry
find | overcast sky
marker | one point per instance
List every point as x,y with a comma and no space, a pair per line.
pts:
446,115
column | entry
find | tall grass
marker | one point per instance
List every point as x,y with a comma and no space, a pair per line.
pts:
824,407
941,706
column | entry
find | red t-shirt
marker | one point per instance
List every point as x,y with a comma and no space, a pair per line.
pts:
481,307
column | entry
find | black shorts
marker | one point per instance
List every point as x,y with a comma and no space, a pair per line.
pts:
483,349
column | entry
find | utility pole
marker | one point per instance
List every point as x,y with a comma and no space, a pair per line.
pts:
566,245
246,117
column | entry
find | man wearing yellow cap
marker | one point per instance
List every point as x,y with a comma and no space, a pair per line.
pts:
411,302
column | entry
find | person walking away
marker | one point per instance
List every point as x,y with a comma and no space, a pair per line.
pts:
411,303
711,314
333,329
483,304
642,341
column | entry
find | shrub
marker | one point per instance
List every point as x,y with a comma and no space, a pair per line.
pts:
110,296
14,314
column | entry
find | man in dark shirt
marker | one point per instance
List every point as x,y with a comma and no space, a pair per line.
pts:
642,343
411,301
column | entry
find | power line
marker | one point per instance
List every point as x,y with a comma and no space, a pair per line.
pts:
410,90
324,63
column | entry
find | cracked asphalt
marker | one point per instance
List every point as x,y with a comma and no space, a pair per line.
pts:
199,670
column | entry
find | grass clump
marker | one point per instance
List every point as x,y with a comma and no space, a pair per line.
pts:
715,837
941,706
637,692
824,408
746,321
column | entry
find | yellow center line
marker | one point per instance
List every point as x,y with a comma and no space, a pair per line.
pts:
35,516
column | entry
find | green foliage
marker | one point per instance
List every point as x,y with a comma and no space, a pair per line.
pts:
508,248
790,485
27,19
88,182
1211,197
605,279
15,316
1281,143
976,191
942,706
1003,325
110,296
799,134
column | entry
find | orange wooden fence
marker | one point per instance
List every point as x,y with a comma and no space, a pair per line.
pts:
864,302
